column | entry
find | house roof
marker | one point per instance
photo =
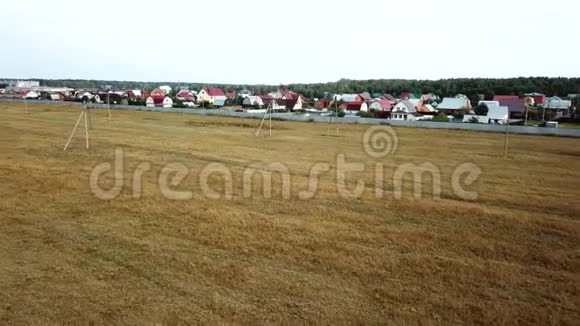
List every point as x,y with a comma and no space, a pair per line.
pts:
384,104
266,98
390,97
488,103
231,94
184,93
157,93
405,95
354,106
136,92
453,103
219,102
411,108
349,97
366,96
215,92
429,108
514,105
557,103
495,112
534,94
505,97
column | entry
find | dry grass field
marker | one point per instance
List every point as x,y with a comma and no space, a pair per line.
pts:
510,257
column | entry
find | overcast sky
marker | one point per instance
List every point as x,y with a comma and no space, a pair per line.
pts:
263,41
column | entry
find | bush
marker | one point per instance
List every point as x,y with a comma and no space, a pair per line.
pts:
481,109
341,114
178,104
136,102
206,105
459,115
364,114
441,117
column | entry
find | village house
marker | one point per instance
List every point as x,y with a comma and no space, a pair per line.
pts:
166,89
538,97
158,95
410,96
380,105
354,106
135,94
349,98
406,110
185,96
390,98
30,95
83,96
381,108
366,97
231,94
111,98
215,96
167,102
505,97
495,115
322,103
291,99
516,107
252,102
450,105
56,97
558,105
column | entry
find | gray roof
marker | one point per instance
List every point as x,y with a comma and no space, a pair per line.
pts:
348,97
411,108
514,104
219,102
453,103
495,112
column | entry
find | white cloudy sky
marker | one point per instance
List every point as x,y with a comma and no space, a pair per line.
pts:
265,41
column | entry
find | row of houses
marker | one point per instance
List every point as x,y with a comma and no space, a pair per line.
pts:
409,106
406,106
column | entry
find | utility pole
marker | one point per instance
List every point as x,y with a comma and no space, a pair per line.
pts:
506,141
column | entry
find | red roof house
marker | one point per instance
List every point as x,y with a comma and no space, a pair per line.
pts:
322,103
158,96
505,97
538,98
215,92
186,96
366,97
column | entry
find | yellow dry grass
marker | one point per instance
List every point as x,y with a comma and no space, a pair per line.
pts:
510,257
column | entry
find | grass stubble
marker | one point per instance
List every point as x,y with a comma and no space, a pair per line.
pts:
510,257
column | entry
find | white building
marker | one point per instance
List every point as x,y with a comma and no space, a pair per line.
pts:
495,115
167,102
166,89
26,84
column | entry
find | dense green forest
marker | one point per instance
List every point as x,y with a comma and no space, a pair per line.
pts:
444,87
